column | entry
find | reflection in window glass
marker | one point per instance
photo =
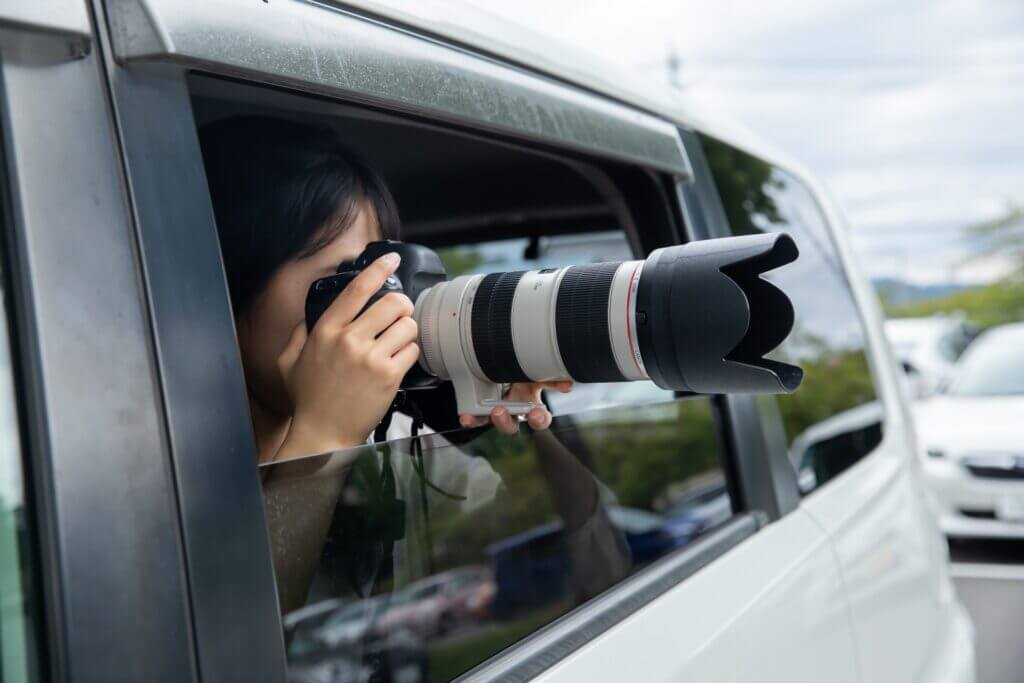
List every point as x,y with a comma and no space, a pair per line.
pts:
17,644
834,419
414,565
558,252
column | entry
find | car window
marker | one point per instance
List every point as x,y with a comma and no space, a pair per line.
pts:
954,343
526,527
18,596
834,418
994,366
421,556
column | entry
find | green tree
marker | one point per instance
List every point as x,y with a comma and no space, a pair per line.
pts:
745,184
459,260
995,304
1003,235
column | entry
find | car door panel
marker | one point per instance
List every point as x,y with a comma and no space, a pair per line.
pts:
771,609
894,560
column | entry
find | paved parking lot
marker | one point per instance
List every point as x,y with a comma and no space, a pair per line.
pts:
990,580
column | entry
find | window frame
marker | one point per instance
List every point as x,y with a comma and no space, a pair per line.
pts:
185,285
765,410
58,137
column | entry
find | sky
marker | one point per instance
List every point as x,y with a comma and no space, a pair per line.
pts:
911,112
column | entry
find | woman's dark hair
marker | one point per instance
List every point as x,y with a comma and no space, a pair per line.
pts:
282,190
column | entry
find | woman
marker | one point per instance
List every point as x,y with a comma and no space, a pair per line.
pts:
291,203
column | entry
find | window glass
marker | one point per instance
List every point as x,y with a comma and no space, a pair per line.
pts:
17,598
834,418
993,366
417,564
953,344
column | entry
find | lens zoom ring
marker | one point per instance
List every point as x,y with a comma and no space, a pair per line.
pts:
581,323
491,328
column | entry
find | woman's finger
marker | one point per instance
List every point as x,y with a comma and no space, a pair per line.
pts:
504,422
469,421
538,419
530,391
561,386
381,315
395,338
353,298
404,359
524,391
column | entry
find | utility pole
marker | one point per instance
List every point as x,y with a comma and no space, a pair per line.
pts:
674,66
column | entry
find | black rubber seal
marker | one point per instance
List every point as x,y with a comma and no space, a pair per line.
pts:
581,323
491,327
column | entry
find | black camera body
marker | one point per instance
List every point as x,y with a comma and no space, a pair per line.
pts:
421,269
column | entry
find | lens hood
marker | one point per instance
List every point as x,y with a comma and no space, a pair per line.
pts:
706,318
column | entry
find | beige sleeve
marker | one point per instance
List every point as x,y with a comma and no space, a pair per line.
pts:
599,557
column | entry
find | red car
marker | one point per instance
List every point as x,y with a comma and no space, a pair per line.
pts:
437,604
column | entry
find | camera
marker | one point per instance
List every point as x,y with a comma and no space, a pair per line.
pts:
696,317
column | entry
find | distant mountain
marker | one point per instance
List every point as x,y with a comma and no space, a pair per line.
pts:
898,293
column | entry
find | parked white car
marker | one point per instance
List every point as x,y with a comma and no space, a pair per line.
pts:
972,436
927,348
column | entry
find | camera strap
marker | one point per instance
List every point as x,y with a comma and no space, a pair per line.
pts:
411,408
380,432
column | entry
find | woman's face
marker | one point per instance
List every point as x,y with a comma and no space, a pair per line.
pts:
265,328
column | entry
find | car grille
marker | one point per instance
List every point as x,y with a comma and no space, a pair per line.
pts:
978,514
995,465
995,473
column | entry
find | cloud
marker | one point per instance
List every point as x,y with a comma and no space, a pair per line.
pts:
909,111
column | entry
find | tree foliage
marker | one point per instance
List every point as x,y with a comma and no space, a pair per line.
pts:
1003,235
744,184
459,260
995,304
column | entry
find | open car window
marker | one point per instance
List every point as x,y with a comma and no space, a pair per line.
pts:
421,558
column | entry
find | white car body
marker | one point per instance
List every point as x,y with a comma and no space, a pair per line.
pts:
973,453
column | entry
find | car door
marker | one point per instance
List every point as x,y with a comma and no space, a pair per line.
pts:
758,595
848,433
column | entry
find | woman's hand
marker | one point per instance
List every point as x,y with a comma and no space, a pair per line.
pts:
343,376
538,418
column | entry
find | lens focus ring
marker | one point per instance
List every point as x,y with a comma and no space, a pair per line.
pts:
581,323
491,328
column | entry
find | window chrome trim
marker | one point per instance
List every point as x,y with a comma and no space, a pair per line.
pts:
323,49
543,649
